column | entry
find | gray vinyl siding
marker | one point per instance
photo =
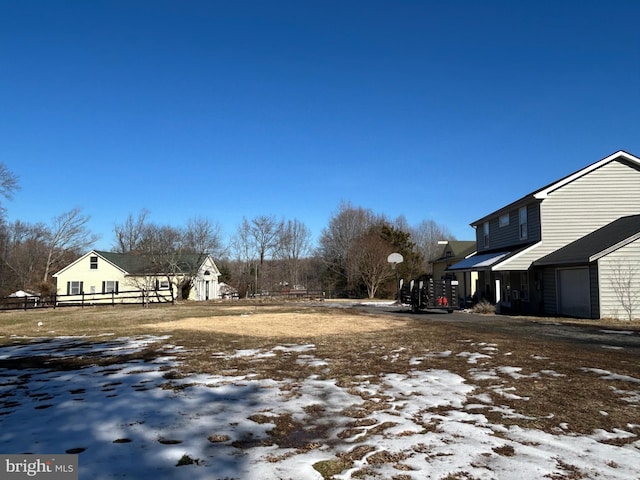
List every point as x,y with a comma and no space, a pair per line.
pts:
588,203
508,237
582,206
550,297
625,261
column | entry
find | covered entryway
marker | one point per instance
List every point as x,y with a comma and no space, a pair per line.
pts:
574,299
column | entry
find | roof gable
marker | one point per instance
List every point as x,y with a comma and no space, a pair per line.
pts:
542,193
92,253
597,244
458,249
619,155
462,247
209,265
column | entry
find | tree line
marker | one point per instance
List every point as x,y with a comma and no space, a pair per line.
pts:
265,255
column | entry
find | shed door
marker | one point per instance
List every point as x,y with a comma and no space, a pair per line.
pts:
573,292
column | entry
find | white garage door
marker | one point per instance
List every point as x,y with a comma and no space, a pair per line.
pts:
573,292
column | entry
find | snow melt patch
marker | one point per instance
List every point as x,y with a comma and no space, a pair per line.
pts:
132,422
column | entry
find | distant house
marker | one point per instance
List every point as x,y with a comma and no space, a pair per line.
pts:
26,296
569,248
98,272
228,291
454,251
22,294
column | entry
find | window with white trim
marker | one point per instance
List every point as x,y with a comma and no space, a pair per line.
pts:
93,263
163,285
74,288
110,286
522,214
504,220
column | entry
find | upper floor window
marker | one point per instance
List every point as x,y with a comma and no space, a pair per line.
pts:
93,263
485,232
522,214
504,220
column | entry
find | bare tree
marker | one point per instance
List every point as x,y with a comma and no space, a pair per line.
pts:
25,248
245,259
264,232
426,236
401,223
625,281
8,184
368,260
159,249
200,235
68,234
161,240
130,233
203,236
162,250
293,245
336,240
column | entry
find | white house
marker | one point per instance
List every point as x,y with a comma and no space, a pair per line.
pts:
97,273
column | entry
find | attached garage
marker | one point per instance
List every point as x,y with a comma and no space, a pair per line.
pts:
598,275
573,290
619,275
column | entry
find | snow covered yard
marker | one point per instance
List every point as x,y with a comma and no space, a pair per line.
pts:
130,409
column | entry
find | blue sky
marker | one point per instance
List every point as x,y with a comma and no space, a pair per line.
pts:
435,110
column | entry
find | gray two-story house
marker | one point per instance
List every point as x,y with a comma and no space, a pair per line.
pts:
570,248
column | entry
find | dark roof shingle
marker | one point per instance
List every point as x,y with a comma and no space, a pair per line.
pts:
581,250
139,263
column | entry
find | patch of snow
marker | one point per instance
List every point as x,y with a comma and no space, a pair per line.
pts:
446,353
484,398
506,392
472,357
295,348
135,423
606,375
619,332
480,374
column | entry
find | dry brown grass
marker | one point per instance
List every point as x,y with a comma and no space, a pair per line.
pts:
354,344
247,319
300,324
